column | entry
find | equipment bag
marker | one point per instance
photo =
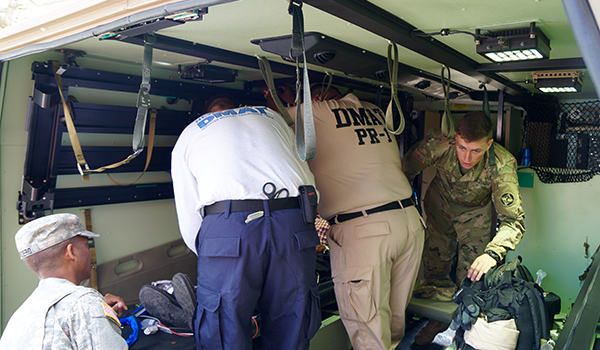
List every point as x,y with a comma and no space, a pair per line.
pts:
506,292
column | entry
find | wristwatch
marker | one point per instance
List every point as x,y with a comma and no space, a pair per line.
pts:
494,256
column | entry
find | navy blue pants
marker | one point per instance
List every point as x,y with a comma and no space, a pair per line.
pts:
267,264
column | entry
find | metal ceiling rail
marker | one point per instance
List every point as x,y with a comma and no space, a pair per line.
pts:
192,49
378,21
189,48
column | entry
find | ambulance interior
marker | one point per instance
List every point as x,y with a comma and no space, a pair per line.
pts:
206,47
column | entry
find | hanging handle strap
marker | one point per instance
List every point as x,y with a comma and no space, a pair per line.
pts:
143,101
486,110
447,122
393,71
81,163
325,86
306,141
140,122
486,103
265,69
92,248
151,133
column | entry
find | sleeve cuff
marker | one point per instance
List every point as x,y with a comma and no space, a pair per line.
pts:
494,256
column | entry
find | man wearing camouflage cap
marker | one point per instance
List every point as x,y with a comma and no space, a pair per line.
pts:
60,314
458,204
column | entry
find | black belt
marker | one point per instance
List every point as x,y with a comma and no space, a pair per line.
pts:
390,206
251,205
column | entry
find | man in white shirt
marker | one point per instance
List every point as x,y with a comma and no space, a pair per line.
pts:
236,179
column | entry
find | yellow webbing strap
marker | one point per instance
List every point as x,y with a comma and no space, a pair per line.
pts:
82,164
151,132
447,121
393,71
92,247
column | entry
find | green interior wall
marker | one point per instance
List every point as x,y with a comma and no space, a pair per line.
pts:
559,218
123,228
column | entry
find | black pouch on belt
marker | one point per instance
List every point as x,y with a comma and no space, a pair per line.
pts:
308,201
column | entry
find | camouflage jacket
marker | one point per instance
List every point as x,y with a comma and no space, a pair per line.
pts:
474,189
61,315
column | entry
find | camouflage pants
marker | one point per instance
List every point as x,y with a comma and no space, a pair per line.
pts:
453,233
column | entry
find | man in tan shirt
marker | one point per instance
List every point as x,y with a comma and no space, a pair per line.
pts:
376,238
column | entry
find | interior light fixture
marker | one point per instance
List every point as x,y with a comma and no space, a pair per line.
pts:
514,45
207,73
563,81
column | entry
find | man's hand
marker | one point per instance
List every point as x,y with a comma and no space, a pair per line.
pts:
116,302
480,267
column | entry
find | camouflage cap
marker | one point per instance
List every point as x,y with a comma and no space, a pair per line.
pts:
48,231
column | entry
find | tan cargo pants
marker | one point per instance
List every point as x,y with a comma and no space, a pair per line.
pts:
374,262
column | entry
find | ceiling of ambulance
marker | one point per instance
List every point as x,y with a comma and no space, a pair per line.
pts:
368,26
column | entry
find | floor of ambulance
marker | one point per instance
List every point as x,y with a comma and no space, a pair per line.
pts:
442,341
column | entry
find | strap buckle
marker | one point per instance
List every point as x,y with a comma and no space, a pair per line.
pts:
132,156
143,98
150,38
85,171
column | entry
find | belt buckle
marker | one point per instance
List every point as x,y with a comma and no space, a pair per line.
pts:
203,212
335,219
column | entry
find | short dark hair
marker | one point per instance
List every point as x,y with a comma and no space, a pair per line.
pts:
221,102
474,126
49,258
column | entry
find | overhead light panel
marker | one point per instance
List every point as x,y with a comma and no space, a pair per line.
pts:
563,81
514,45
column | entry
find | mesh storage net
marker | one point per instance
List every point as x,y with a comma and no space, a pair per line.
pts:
564,139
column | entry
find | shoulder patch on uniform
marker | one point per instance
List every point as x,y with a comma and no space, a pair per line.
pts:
419,156
507,199
110,313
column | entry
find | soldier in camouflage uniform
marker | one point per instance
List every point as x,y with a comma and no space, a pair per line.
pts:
60,314
458,204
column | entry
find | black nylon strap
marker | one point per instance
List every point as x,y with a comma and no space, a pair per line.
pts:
486,103
251,205
390,206
295,10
